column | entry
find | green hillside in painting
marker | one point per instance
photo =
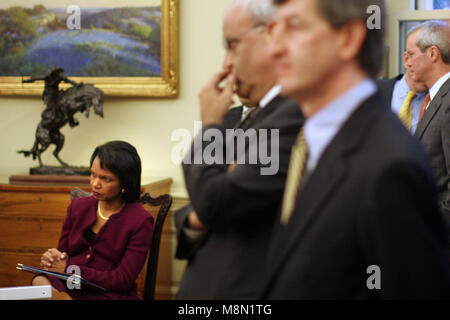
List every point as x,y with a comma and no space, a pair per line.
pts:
111,42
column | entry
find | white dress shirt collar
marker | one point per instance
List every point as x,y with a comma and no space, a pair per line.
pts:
435,88
270,95
323,126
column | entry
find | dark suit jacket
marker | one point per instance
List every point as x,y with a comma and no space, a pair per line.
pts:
370,201
433,131
387,87
185,247
233,117
238,208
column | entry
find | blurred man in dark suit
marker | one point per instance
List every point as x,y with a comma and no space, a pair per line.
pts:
224,233
359,218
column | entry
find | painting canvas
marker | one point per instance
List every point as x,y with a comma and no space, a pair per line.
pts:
105,40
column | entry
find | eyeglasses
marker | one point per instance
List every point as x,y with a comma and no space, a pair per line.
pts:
231,44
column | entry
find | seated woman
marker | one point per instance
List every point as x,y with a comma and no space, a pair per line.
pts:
106,235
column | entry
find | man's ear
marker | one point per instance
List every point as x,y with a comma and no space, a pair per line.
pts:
434,54
351,38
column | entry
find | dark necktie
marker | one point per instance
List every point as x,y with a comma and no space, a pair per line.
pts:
249,118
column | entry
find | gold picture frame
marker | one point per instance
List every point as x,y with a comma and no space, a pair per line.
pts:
165,86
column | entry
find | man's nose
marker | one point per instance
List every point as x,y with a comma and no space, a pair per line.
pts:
275,44
407,61
227,62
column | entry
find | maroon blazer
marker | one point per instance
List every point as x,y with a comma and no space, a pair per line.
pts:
117,254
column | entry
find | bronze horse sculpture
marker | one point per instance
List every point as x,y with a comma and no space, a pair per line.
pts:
61,106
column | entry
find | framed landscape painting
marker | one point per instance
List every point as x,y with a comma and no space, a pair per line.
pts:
125,48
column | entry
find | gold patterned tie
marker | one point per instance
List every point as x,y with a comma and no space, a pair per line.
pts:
405,113
297,164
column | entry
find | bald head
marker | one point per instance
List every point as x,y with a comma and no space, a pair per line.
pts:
261,11
246,42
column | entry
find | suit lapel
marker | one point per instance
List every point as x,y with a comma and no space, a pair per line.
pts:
259,113
315,193
312,196
387,88
433,108
392,83
233,117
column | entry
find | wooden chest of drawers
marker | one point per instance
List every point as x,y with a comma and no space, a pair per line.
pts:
31,219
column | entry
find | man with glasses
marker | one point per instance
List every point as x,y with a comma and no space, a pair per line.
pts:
428,49
405,96
224,233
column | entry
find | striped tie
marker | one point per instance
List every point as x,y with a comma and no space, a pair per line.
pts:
405,113
297,163
248,119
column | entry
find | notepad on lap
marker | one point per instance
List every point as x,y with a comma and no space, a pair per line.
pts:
74,279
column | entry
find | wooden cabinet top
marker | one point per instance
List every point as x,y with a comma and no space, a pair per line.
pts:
62,184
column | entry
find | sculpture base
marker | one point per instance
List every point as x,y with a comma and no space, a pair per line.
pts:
60,171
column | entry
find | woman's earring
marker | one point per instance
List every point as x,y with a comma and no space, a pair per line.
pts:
123,190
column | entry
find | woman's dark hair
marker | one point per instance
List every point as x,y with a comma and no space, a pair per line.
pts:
122,159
